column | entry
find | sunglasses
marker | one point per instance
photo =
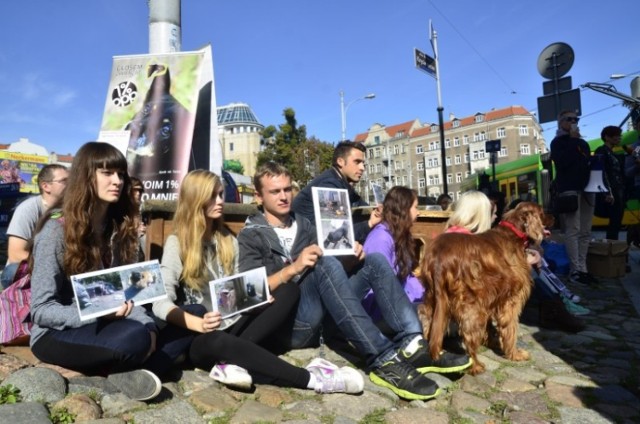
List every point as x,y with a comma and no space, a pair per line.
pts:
571,119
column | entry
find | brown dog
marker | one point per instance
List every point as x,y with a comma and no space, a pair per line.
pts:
478,278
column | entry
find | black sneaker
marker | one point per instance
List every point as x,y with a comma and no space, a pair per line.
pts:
404,380
447,362
137,384
583,278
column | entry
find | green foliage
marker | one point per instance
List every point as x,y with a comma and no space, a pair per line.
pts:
375,417
233,165
9,394
288,145
62,416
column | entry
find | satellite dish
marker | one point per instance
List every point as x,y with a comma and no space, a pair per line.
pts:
557,55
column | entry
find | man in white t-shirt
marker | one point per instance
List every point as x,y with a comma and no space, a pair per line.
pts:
52,181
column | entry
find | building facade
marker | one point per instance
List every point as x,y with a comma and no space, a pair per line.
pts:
409,154
239,132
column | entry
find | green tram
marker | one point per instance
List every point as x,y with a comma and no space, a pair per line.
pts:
529,178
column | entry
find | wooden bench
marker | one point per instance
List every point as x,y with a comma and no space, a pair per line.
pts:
160,213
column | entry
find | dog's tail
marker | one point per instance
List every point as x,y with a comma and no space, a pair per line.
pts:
440,319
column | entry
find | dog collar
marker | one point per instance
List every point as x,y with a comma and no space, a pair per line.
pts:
518,233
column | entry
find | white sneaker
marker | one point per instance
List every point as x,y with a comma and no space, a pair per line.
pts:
332,379
231,375
137,384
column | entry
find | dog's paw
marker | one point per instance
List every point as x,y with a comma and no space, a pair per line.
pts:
520,355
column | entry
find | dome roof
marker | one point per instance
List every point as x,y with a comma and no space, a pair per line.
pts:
237,113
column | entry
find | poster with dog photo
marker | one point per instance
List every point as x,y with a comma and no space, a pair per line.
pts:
153,102
103,292
334,224
240,292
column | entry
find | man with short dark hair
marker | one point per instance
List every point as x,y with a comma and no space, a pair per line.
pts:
346,170
285,243
52,181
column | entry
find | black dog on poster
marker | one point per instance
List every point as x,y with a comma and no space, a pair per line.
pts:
156,127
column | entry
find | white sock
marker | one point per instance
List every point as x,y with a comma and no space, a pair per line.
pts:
413,345
312,381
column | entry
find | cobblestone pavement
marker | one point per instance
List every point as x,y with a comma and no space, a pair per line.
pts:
589,377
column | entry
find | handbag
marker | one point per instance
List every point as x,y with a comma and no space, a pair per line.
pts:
566,203
15,305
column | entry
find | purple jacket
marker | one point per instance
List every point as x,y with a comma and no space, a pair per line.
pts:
381,241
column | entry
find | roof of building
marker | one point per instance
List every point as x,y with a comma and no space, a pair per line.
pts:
425,129
23,145
236,113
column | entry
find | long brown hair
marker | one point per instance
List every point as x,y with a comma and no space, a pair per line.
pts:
189,222
395,213
83,252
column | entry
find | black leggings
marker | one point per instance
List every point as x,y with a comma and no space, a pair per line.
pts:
239,345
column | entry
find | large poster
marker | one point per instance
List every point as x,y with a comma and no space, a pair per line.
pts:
150,115
22,169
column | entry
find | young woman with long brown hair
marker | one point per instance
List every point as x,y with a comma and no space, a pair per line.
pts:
94,229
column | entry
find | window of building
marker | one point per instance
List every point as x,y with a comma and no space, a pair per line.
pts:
479,117
376,152
420,165
231,147
370,153
398,164
456,123
483,136
481,154
523,130
458,177
476,136
525,149
474,155
449,178
396,149
447,143
378,167
434,128
467,173
436,179
419,149
465,139
501,132
457,160
456,141
376,139
466,157
420,182
372,169
403,148
448,161
503,153
404,180
400,133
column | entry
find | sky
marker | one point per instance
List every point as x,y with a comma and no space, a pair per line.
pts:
56,59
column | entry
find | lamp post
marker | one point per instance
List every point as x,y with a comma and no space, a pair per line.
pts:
343,110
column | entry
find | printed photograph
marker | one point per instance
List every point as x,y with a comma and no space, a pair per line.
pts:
102,292
334,224
378,193
241,292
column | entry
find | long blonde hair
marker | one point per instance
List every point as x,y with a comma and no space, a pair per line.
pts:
197,189
473,211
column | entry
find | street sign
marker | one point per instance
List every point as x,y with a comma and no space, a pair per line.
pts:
425,63
550,106
556,86
491,146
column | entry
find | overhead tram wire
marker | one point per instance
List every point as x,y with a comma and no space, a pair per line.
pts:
511,90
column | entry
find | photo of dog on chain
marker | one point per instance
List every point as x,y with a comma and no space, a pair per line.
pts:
478,280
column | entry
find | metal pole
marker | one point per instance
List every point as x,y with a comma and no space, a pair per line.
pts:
344,118
434,43
165,34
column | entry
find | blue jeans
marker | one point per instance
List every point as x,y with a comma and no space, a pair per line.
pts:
327,289
8,273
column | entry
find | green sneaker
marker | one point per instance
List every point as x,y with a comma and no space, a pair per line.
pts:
404,380
574,308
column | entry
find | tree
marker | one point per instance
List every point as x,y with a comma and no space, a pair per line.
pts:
233,165
289,146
